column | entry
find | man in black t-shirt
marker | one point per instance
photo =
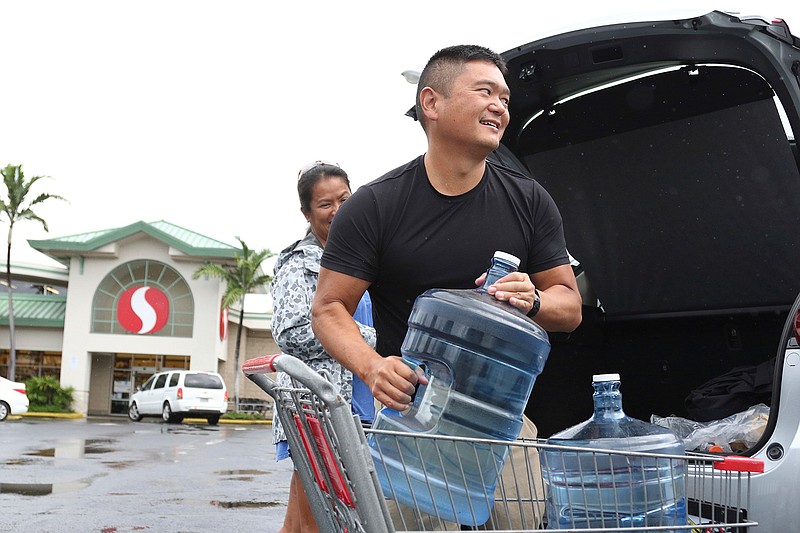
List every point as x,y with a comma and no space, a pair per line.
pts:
435,222
404,237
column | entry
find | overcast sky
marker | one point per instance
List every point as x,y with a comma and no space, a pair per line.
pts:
201,113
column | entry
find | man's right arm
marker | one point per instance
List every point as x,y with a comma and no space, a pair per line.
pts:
391,381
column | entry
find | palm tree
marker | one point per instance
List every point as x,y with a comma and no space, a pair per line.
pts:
241,278
17,207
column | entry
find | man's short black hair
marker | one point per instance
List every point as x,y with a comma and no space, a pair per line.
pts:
445,65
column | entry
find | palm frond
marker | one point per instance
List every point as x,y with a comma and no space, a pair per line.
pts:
240,278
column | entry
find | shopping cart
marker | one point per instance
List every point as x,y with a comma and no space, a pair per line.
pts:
348,494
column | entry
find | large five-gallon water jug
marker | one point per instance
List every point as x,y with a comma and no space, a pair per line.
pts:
641,485
481,357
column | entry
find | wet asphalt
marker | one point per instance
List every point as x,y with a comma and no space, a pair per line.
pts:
111,475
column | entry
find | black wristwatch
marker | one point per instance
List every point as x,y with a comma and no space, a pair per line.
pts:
536,303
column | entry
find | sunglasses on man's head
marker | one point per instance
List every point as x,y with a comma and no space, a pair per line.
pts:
315,164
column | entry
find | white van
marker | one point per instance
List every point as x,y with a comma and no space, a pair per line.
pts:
176,394
669,147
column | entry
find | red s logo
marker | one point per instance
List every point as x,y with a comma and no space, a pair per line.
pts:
223,323
142,310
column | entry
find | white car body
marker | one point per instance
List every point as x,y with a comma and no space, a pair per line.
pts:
176,394
13,398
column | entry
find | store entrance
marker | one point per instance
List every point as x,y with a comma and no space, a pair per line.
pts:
132,370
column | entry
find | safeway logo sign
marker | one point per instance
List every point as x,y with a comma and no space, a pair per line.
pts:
142,310
223,323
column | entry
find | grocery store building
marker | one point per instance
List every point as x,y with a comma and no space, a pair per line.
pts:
123,307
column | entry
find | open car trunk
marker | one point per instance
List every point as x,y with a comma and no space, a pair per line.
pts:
669,150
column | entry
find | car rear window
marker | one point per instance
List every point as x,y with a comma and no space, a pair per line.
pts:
202,381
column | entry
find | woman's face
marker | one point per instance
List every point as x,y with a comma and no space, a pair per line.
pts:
327,195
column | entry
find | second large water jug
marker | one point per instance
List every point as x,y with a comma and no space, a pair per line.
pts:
637,480
481,357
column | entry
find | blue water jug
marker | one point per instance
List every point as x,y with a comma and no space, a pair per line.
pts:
613,490
481,357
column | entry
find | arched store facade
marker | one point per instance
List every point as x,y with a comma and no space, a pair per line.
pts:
124,307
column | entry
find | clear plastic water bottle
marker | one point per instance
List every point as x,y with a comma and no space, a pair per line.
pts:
481,357
609,490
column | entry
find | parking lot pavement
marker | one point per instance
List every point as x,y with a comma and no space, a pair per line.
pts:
112,475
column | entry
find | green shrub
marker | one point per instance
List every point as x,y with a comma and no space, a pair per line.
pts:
46,395
243,416
48,409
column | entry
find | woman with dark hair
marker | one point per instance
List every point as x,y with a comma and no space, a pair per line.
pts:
322,187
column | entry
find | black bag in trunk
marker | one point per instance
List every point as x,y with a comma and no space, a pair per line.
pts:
732,392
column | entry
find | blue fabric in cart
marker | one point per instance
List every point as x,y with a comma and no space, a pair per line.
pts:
363,403
282,451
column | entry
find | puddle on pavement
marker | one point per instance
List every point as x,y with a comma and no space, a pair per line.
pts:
21,462
245,504
41,489
245,472
241,475
119,465
75,448
187,429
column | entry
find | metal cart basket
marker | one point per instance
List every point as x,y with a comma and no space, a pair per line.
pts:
348,494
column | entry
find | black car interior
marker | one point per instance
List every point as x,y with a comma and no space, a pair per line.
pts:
679,187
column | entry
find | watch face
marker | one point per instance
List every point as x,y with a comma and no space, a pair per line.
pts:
536,303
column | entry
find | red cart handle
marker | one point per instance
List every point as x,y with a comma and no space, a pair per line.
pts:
260,365
736,463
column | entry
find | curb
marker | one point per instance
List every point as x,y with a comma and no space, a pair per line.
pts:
228,421
52,415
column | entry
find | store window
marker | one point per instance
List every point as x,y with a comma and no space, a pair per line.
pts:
125,304
31,364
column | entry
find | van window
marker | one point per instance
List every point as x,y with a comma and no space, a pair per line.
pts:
202,381
173,379
160,381
148,383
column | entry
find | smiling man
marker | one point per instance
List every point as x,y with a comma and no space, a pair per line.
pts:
436,221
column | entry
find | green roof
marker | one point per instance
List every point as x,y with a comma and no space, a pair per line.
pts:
186,241
36,310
